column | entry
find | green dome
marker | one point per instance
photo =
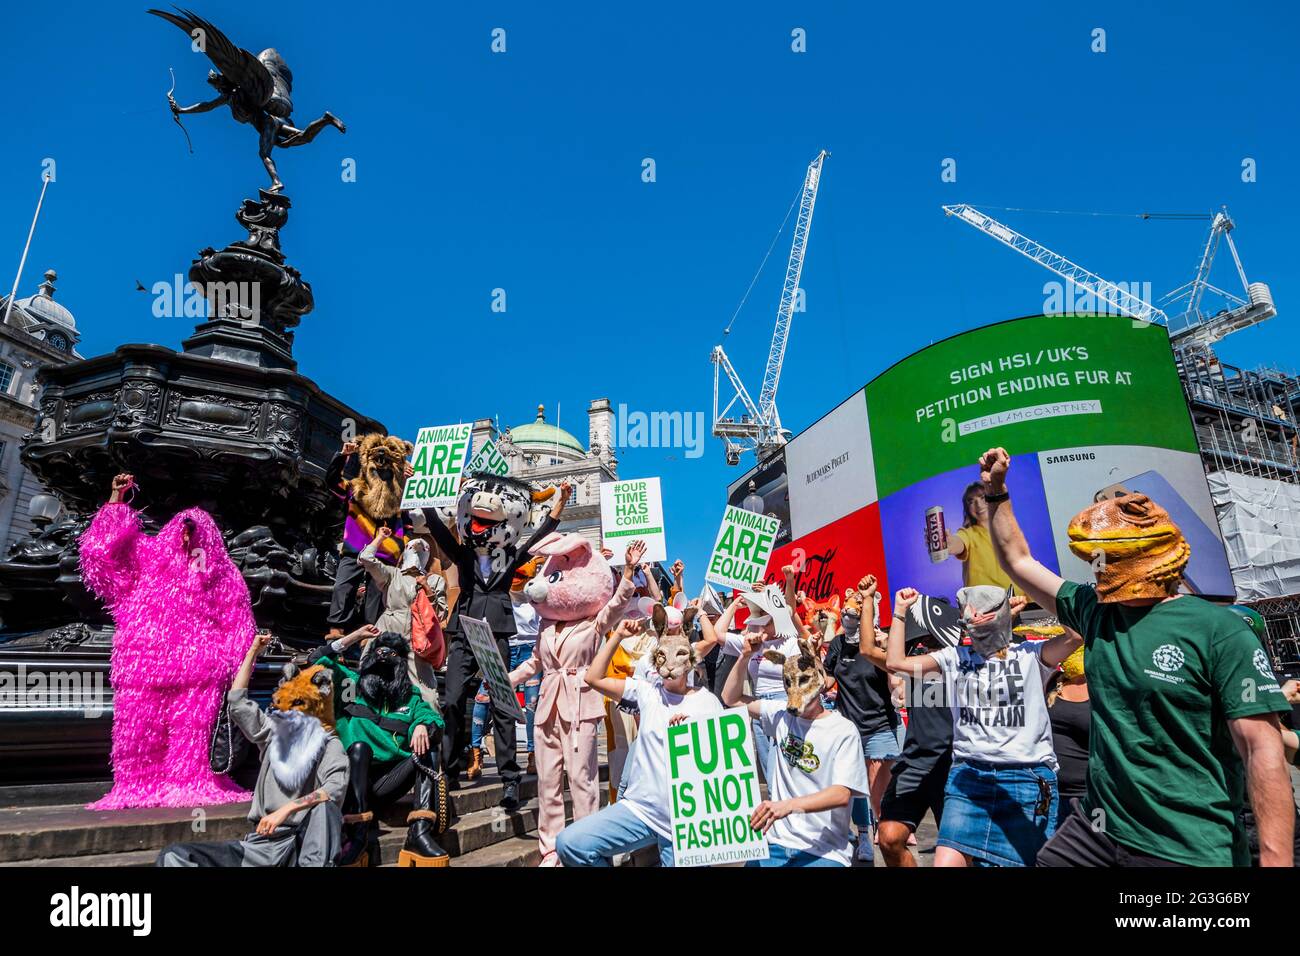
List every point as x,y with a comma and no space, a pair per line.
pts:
538,432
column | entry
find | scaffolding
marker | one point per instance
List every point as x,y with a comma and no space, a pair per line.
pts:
1246,426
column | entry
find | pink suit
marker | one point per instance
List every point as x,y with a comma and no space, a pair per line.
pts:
569,714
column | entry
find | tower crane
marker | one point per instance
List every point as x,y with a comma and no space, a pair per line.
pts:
1192,328
759,426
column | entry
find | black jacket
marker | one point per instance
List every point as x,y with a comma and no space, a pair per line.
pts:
488,601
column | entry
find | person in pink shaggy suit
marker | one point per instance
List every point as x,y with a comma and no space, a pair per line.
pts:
184,620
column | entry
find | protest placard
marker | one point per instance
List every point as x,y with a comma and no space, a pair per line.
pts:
495,675
743,546
632,510
713,790
438,462
489,459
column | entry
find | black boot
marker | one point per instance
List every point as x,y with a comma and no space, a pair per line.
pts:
358,820
420,848
510,796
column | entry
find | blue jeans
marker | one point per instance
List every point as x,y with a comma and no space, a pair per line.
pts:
594,840
780,856
532,688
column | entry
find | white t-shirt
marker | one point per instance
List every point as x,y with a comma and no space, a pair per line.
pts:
811,755
527,624
999,709
764,676
647,771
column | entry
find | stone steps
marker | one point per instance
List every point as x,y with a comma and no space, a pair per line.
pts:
33,833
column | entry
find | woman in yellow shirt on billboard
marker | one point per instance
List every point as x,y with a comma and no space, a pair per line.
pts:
971,545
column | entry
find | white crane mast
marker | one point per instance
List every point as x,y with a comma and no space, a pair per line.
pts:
1121,299
760,426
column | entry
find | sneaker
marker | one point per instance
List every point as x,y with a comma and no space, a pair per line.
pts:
866,851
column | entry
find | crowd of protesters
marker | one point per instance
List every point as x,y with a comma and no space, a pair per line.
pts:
1036,731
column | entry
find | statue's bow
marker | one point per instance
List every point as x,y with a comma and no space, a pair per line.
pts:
175,115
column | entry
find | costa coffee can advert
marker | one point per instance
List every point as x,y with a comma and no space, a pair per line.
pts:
936,536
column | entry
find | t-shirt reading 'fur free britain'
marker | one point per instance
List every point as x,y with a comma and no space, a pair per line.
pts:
1164,777
999,709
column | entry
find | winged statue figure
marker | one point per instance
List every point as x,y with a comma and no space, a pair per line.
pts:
256,88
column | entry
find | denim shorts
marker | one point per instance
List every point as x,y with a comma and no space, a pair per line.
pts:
990,812
882,745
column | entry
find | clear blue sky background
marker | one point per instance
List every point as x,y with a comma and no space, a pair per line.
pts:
523,171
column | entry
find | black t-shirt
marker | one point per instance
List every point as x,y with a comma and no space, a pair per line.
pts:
929,726
864,688
1070,723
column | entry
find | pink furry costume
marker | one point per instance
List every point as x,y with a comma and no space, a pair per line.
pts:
184,622
576,600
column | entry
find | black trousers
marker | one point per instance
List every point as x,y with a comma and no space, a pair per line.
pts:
1077,843
462,683
343,600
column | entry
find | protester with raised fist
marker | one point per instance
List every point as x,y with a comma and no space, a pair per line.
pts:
1166,777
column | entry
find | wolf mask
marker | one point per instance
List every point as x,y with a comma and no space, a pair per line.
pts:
803,675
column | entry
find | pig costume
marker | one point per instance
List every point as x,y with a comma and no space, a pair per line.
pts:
576,600
184,622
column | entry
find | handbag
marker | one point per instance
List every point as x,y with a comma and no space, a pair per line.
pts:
228,747
427,639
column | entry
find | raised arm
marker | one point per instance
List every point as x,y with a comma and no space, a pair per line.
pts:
368,558
612,612
896,659
110,546
1009,542
611,687
733,689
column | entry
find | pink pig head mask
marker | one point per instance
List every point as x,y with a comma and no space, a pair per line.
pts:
575,581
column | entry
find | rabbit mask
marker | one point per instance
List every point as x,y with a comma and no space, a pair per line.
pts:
803,675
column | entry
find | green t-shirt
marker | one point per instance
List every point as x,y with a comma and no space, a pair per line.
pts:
387,745
1164,777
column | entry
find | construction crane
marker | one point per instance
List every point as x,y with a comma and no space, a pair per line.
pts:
1190,328
1194,327
759,426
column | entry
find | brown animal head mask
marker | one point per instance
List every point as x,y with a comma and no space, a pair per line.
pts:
1137,551
803,676
673,655
378,488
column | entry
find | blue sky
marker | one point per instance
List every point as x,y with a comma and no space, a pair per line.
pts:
522,171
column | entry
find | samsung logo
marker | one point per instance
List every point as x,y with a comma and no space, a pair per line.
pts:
1062,459
826,469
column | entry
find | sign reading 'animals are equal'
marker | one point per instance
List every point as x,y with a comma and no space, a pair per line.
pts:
713,784
438,462
744,544
632,510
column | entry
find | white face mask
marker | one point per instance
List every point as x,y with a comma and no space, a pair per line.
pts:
415,557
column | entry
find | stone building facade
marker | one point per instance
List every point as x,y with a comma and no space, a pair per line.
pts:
38,332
